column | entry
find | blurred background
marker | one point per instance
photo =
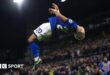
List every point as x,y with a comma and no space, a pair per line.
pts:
62,55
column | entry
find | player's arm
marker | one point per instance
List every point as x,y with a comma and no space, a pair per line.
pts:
55,10
80,31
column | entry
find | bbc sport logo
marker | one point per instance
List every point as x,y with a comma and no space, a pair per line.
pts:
3,66
10,66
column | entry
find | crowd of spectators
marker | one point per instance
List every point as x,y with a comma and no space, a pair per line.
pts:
89,57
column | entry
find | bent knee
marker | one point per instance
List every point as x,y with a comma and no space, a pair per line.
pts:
30,40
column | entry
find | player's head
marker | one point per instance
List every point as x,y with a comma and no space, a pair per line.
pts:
80,33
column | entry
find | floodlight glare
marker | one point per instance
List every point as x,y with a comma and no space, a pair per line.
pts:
19,2
63,0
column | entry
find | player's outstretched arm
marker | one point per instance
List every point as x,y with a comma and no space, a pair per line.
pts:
80,31
56,11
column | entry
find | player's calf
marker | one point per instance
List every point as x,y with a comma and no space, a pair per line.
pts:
35,50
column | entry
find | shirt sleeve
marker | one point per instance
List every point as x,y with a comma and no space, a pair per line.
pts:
71,23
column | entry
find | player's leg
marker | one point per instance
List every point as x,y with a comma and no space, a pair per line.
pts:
32,38
40,33
34,46
35,49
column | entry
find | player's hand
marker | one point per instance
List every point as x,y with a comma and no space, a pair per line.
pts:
54,10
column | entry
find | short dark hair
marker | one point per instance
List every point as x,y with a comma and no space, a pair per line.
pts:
79,35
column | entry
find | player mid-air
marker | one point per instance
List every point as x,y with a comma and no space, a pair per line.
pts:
45,30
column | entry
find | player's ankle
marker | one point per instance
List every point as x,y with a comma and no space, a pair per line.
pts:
36,58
